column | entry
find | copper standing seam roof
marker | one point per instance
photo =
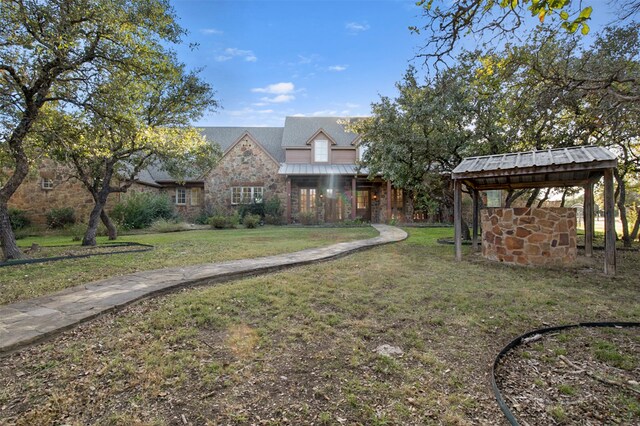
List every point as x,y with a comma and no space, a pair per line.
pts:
531,169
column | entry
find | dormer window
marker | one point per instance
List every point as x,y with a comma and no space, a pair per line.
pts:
321,151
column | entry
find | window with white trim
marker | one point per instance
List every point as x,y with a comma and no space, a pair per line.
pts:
321,151
181,196
247,194
47,183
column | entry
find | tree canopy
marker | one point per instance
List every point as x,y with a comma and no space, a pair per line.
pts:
55,54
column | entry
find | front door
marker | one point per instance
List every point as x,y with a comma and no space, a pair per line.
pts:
363,204
333,207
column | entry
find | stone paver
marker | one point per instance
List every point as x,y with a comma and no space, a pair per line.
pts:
31,320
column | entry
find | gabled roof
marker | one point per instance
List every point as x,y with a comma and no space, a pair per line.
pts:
298,130
533,169
269,137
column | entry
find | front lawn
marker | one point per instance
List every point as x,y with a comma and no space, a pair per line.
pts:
297,347
171,249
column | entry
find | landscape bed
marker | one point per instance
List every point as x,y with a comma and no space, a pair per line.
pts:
299,346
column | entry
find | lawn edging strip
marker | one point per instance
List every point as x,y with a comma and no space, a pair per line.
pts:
523,339
33,320
145,247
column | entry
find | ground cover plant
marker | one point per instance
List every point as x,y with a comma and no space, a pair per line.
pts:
299,346
171,249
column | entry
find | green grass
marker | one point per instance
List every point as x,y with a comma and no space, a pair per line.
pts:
297,347
171,249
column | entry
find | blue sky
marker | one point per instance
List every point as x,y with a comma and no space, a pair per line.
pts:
270,59
267,59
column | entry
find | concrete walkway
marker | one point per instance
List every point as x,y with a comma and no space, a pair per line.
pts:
31,320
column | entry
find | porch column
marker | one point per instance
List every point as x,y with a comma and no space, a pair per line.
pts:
457,218
388,201
353,198
288,200
587,210
476,213
609,225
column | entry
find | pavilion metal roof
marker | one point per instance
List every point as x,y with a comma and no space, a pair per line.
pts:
574,166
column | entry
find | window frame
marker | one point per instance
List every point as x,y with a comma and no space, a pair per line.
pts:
307,200
254,194
197,198
46,184
324,151
183,192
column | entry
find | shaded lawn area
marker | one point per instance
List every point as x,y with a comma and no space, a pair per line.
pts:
171,249
297,347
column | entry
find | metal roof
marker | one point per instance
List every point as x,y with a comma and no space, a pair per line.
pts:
321,169
533,169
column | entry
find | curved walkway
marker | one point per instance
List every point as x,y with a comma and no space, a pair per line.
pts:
35,319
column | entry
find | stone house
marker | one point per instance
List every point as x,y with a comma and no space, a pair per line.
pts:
310,164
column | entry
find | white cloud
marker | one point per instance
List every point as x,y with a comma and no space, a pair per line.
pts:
338,68
211,31
232,52
276,88
356,27
279,99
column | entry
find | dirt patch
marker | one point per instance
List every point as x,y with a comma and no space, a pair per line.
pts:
578,376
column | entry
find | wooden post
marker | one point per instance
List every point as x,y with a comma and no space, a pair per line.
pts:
388,201
588,220
353,198
609,225
288,200
476,213
457,218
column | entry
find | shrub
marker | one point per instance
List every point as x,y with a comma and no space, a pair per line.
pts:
253,208
251,221
223,222
140,210
307,218
18,219
273,211
164,225
59,218
202,219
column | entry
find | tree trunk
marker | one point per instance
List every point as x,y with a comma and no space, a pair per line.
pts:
9,245
112,231
532,197
622,198
408,217
92,227
466,234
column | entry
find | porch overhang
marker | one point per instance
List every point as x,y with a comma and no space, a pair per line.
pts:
322,170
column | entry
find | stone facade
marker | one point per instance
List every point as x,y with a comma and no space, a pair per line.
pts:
60,190
529,236
245,164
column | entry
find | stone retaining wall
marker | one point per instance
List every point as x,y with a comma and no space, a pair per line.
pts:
529,236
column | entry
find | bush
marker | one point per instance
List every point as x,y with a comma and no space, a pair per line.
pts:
164,225
273,211
59,218
251,221
140,210
307,218
18,219
253,208
223,222
201,219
